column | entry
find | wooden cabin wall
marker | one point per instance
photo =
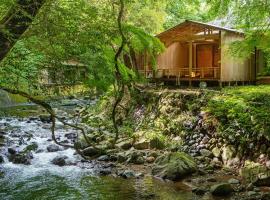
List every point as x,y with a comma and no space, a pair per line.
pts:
232,68
142,61
174,57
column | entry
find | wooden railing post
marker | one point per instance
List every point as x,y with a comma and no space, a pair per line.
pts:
190,62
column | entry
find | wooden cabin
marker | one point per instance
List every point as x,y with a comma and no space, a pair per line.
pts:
198,51
68,73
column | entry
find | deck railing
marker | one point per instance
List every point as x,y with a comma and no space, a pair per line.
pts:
209,73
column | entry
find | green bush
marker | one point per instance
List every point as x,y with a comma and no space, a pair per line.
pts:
243,109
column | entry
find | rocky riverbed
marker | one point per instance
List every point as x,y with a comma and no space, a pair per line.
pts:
28,152
32,164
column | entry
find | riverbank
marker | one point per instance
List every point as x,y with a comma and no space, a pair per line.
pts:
222,130
192,141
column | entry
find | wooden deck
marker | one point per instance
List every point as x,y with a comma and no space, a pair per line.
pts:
183,74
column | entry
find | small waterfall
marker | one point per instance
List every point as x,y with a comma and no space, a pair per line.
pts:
5,99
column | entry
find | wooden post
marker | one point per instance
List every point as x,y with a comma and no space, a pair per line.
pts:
220,84
190,62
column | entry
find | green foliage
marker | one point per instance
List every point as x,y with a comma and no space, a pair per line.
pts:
178,11
21,68
86,33
245,110
4,7
149,15
252,17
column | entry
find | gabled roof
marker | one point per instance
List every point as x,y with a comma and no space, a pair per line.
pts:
209,25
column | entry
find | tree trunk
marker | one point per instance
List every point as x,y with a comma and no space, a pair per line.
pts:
16,22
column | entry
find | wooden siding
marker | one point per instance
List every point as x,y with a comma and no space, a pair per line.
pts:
234,69
174,57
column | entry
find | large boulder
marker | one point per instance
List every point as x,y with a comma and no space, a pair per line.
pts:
125,145
45,118
222,189
228,152
174,166
59,160
21,158
53,148
142,144
255,173
91,152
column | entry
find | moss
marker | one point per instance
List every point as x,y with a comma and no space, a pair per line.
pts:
174,166
251,170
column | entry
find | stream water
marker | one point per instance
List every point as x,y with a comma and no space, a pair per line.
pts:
77,180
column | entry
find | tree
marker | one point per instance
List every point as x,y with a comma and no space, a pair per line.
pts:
93,34
16,22
180,10
252,17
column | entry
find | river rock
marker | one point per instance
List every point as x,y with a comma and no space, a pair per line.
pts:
120,157
228,152
104,158
45,118
12,151
233,181
251,171
125,145
135,157
150,159
2,160
141,145
21,158
206,153
216,152
222,189
31,147
139,161
15,134
91,151
174,166
105,171
128,174
71,136
59,160
53,148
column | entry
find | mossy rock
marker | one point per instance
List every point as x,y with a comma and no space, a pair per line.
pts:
174,166
222,189
31,147
251,170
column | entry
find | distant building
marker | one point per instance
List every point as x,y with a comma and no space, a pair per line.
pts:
68,73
